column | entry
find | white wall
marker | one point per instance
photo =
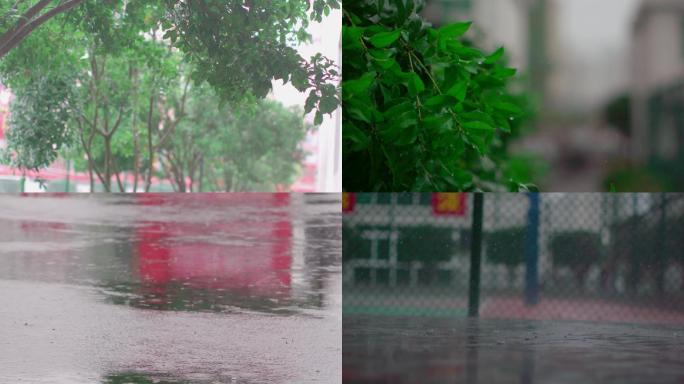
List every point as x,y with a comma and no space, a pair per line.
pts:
326,39
657,60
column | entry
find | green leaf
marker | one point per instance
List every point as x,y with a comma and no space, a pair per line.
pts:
454,30
459,90
383,39
358,87
437,124
399,109
310,102
415,84
351,38
477,126
318,120
403,130
383,58
508,107
494,57
359,139
359,114
328,104
440,101
503,73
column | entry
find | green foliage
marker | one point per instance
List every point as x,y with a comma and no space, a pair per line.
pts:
237,46
506,246
39,118
113,74
254,147
426,243
618,114
624,177
422,108
575,249
353,242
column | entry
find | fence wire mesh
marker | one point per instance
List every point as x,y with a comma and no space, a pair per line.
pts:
595,257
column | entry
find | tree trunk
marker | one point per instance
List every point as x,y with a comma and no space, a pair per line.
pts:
150,148
201,174
107,164
90,174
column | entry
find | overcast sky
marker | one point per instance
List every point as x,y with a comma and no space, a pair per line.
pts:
326,40
590,26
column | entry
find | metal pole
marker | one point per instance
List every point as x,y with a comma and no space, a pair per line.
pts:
660,246
475,257
532,252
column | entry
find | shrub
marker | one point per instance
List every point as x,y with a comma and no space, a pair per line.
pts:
577,250
506,246
422,108
426,243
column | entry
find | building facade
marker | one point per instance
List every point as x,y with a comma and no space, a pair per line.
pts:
658,82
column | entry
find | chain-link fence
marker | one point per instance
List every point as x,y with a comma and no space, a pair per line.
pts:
598,257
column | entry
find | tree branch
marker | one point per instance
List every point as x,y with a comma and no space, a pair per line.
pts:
28,24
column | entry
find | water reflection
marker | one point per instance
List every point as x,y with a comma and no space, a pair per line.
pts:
385,349
221,253
138,378
170,288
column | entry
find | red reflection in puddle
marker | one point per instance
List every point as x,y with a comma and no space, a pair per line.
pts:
247,255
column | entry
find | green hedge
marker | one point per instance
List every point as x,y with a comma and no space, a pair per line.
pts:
506,246
575,248
426,243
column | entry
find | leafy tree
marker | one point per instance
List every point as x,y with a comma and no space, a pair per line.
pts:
506,247
39,116
422,108
120,72
577,250
255,146
238,46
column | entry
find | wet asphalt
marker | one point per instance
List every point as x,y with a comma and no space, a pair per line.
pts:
384,349
239,288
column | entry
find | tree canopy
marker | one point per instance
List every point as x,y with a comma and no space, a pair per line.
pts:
154,88
238,46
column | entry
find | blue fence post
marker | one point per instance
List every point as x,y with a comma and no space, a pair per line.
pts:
532,251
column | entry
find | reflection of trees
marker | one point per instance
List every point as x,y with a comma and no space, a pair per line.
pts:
138,378
323,250
242,263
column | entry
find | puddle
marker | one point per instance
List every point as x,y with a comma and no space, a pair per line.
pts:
383,349
170,288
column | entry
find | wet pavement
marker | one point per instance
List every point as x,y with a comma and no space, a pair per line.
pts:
239,288
384,349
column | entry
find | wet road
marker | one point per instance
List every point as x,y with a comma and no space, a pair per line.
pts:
382,349
240,288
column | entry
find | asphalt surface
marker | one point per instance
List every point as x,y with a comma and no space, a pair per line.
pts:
384,349
170,289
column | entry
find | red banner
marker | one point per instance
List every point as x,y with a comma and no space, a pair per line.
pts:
348,201
448,204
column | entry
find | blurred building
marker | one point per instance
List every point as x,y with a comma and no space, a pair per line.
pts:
526,28
658,82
